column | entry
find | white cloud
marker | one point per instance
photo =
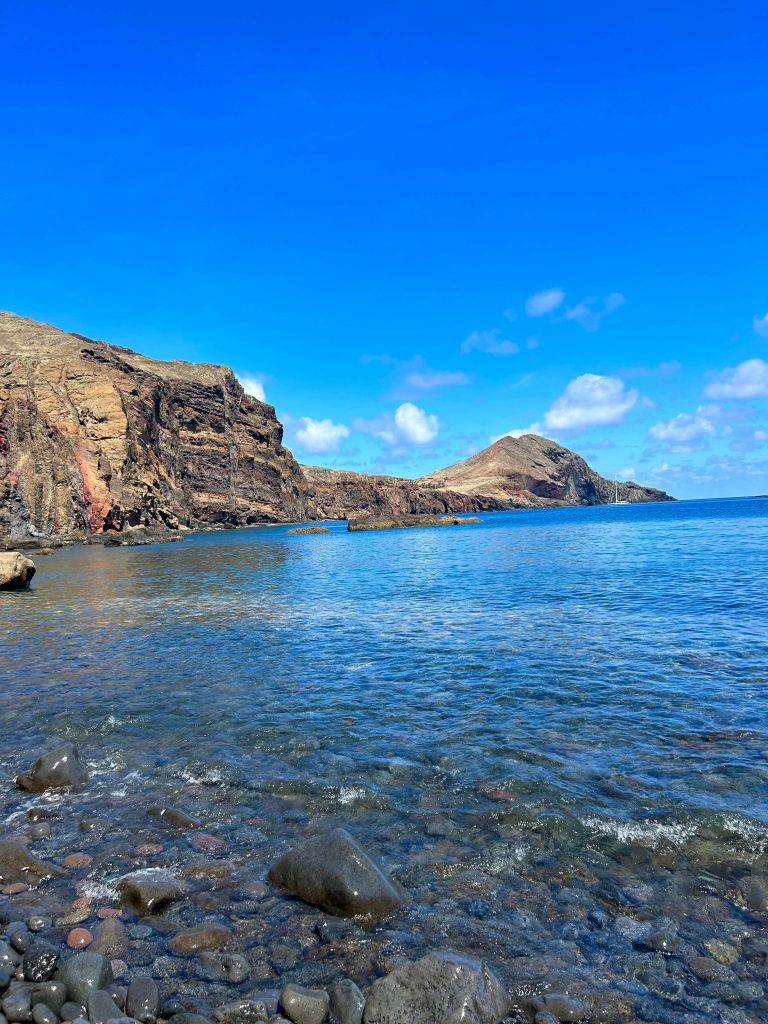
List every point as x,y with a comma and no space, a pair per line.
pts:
413,425
544,302
626,473
760,326
490,343
253,386
685,429
590,313
320,436
436,378
747,380
590,401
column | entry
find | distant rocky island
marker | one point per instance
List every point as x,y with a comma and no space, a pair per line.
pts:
96,439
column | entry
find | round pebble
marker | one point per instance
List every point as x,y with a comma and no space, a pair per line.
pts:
105,912
79,938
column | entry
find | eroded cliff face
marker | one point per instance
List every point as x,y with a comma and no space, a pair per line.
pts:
342,494
94,438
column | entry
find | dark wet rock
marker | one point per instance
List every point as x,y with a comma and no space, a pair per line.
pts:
230,967
347,1003
151,889
111,938
17,1003
188,1018
544,1017
42,1014
242,1011
142,1001
40,830
40,961
723,952
140,931
101,1007
38,923
562,1007
174,817
9,958
334,872
84,973
16,570
52,994
333,929
754,892
304,1005
171,1007
444,987
661,940
59,768
17,864
5,979
72,1011
19,936
201,937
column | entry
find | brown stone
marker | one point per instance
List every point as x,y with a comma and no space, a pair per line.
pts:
201,937
79,938
16,571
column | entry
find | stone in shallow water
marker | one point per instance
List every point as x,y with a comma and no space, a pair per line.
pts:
151,888
16,570
72,1011
83,973
229,967
562,1007
242,1011
42,1014
334,872
200,937
18,865
111,938
143,999
40,961
754,892
59,768
441,987
101,1007
52,994
17,1003
347,1003
304,1005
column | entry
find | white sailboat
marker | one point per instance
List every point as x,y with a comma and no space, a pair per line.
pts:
616,495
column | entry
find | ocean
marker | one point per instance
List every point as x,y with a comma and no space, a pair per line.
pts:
551,727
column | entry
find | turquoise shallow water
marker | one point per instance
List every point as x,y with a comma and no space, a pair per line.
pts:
552,726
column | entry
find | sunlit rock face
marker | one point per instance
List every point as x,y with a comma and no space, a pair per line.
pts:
94,437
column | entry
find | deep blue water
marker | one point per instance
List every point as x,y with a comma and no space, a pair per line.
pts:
568,700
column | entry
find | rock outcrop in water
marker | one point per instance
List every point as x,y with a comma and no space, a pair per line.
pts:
16,571
94,437
407,522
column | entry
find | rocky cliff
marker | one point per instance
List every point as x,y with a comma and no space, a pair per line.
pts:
530,472
94,437
340,494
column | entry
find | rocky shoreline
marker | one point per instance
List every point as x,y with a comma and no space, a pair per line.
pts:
80,966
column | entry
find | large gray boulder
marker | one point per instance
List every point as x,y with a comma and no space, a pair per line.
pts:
334,872
441,988
60,768
150,889
16,570
84,973
17,864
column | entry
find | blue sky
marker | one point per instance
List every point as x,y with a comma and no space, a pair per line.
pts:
415,227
